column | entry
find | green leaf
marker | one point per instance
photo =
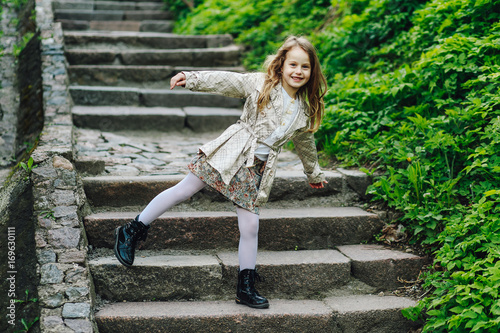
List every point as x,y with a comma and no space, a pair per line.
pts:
457,309
478,326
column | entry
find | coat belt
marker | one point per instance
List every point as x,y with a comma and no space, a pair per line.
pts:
253,145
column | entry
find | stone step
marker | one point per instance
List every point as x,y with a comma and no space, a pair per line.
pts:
204,276
353,314
111,15
112,118
280,229
106,5
288,186
143,25
205,57
288,274
126,96
381,267
140,76
126,40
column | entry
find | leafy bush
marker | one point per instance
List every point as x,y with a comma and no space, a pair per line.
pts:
467,289
428,123
16,4
181,8
258,25
422,107
24,22
362,34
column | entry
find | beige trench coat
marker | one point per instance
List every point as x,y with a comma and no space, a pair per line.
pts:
235,147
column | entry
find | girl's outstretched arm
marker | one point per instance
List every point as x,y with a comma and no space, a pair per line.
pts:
230,84
179,80
306,149
318,185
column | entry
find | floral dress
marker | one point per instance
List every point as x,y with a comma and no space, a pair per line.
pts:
243,188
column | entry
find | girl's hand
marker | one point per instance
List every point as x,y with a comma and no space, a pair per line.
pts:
178,80
318,185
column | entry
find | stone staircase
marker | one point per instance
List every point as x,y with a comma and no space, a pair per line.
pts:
134,138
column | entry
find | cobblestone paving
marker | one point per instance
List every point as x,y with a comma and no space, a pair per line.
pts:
137,153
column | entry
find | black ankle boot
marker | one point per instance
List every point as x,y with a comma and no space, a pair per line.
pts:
246,293
126,238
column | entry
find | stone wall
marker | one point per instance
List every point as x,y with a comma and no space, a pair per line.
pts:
42,210
18,277
65,290
21,112
9,99
17,248
30,113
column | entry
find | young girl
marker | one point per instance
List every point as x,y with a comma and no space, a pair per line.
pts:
284,103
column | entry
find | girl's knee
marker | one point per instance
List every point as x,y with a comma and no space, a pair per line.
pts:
249,228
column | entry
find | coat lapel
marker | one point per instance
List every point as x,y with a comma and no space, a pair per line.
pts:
277,102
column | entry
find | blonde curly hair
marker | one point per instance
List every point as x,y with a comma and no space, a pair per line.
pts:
312,92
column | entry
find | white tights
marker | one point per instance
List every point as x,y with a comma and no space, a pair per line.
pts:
167,199
248,222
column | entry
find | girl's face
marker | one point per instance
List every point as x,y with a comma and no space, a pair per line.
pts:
296,70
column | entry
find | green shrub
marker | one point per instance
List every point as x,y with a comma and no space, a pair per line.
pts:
261,26
466,282
423,108
361,35
438,111
24,22
181,8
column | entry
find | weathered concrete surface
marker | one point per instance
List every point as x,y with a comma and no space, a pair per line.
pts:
381,267
166,277
356,314
141,40
110,15
132,153
357,180
280,229
106,5
210,119
216,57
185,98
145,26
131,75
122,96
294,185
291,274
288,274
120,191
111,118
282,316
370,314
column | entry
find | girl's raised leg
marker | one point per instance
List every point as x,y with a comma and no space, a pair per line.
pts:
127,236
184,190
